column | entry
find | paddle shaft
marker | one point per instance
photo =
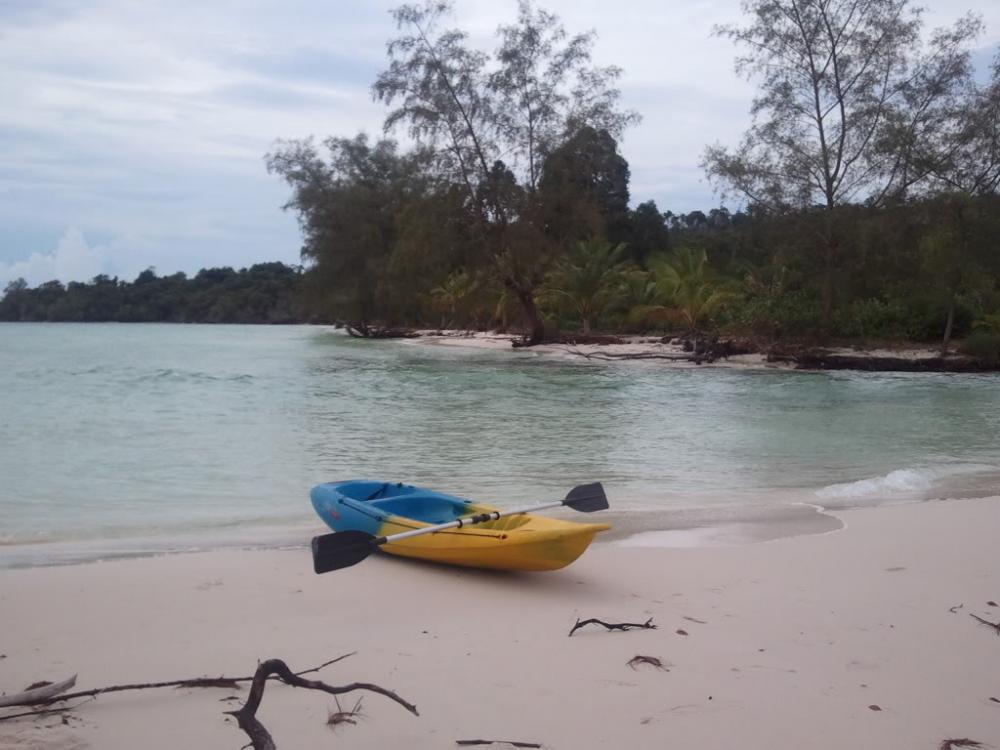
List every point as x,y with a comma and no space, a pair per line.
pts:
493,515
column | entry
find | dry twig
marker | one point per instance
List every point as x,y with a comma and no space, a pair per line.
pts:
964,742
650,660
512,743
648,625
994,625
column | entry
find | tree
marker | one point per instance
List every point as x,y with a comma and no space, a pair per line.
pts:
348,208
841,83
649,232
962,158
589,278
690,286
583,190
490,120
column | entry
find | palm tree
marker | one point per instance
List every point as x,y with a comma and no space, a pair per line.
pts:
589,279
453,295
691,289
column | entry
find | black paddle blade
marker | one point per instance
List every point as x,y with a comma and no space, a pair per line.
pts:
341,550
587,498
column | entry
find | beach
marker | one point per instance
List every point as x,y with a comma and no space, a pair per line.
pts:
859,637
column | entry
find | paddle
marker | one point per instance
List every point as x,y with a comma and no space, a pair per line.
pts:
345,548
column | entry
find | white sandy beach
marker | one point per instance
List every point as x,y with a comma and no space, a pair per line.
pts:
799,640
646,348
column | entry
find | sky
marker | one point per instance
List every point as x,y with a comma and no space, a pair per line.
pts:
133,134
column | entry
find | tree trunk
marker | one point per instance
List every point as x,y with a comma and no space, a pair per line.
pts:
532,318
948,326
830,261
586,326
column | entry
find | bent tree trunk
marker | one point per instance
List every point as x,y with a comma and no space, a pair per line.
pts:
532,318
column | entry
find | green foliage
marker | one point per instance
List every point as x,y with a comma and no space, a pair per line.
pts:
989,324
589,279
688,285
797,313
983,345
872,318
264,293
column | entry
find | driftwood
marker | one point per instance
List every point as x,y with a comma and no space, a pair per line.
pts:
34,695
618,356
260,738
365,331
987,623
196,682
964,742
648,625
652,661
512,743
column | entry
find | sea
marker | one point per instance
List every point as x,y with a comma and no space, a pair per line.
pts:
133,439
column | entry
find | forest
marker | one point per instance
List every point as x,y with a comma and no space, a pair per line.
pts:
866,187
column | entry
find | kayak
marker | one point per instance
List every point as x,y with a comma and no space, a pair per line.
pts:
516,542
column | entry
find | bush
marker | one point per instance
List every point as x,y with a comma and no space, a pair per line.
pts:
982,345
790,314
872,318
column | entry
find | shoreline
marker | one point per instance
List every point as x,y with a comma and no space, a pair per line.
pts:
672,353
859,638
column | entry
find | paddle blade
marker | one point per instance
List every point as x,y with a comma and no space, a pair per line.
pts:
341,550
587,498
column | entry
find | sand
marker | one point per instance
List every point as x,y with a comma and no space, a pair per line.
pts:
836,640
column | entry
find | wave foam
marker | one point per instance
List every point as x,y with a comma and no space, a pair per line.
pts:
898,482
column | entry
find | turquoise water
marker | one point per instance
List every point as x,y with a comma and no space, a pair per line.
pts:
115,433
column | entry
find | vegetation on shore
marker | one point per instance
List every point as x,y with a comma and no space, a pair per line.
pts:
868,179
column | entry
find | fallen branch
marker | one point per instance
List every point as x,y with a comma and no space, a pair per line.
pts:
616,356
260,738
994,625
964,742
46,711
648,625
32,696
650,660
195,682
513,743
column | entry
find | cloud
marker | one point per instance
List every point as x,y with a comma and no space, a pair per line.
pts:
145,124
72,260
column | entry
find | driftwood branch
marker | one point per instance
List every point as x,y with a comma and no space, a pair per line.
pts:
47,711
512,743
652,661
987,623
648,625
33,696
195,682
260,738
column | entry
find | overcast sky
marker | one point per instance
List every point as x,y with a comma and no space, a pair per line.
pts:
132,132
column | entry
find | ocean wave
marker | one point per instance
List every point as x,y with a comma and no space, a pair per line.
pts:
900,481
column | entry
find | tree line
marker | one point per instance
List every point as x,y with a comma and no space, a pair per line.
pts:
263,293
867,181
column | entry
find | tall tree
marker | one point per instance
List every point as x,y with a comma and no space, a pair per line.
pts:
490,120
348,207
962,158
583,190
839,80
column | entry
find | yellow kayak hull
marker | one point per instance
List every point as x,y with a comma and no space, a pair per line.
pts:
538,544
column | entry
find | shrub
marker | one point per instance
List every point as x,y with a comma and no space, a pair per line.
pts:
872,318
982,345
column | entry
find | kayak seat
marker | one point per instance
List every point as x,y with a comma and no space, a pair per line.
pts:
506,523
425,508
